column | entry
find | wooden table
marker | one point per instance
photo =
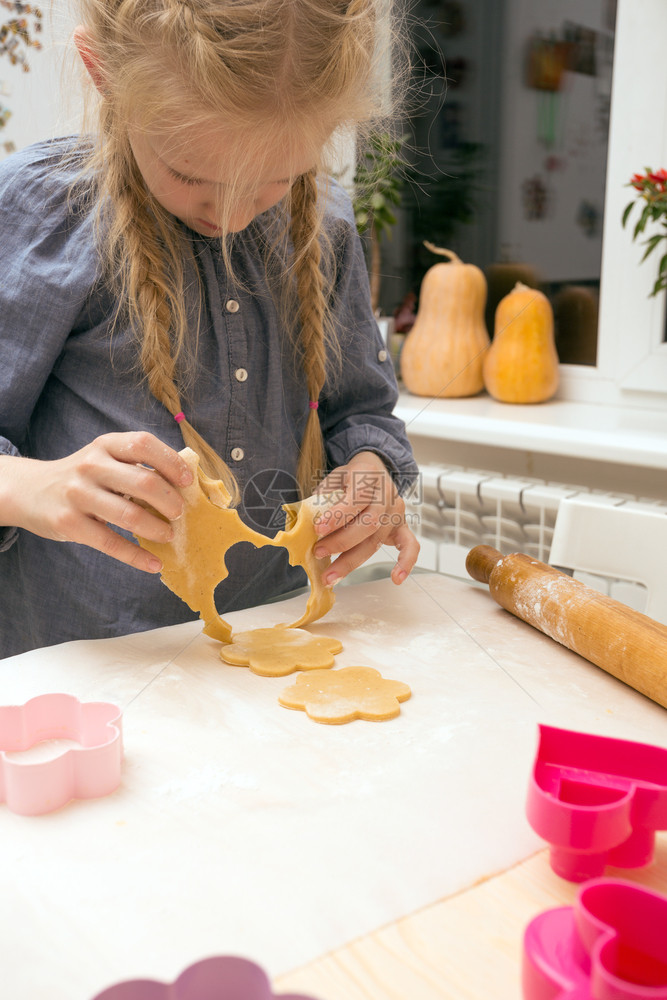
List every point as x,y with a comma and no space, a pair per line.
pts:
379,861
467,947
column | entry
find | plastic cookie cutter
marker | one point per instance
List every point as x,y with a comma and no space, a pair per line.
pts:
597,801
611,945
221,978
86,771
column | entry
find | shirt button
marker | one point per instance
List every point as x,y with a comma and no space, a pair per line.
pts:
240,374
237,454
232,306
382,355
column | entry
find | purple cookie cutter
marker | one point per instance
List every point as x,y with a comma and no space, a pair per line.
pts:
597,801
224,977
611,945
86,771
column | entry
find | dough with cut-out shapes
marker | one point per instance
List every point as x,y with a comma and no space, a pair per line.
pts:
193,563
278,651
337,696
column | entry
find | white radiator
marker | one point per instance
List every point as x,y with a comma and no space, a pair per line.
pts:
455,509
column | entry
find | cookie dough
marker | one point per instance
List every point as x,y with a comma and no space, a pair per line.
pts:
299,538
275,652
193,563
337,696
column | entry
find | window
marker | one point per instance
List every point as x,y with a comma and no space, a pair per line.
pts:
632,355
489,41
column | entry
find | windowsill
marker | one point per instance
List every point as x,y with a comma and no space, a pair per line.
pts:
595,432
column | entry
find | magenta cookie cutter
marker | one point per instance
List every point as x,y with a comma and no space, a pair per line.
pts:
87,771
611,945
225,977
597,801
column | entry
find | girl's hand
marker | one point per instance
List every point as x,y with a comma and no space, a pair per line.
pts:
369,515
75,499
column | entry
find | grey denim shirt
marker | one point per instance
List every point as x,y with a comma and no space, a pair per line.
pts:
64,379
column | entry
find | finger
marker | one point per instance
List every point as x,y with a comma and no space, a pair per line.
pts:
143,448
363,487
352,559
147,486
367,522
103,487
338,516
122,463
72,523
408,551
123,512
373,519
99,536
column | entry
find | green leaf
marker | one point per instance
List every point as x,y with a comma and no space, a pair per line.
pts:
626,213
650,246
643,219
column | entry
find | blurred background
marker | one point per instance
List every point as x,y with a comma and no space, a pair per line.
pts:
506,154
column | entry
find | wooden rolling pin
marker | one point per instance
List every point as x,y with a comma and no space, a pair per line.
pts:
622,641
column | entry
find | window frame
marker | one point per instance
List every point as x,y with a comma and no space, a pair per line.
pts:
631,367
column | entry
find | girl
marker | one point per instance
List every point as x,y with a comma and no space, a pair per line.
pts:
186,274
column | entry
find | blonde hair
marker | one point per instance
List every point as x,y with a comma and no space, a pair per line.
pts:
281,69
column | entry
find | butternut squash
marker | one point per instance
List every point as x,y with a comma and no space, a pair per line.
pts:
501,277
521,365
576,320
442,354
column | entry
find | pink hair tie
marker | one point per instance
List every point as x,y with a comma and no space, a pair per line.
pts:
313,404
178,417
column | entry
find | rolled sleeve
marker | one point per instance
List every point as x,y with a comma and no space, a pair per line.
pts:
8,535
365,437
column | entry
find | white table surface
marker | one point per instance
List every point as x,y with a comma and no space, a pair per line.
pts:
241,827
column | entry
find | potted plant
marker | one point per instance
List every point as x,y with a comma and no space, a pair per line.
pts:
441,200
377,194
652,189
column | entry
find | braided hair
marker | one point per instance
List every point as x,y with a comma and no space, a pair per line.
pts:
266,68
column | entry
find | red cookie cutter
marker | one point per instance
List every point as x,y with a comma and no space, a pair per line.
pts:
611,945
224,977
597,801
87,771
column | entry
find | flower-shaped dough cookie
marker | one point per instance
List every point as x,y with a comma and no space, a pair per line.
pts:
336,696
275,652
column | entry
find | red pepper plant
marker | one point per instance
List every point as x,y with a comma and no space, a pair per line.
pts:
651,187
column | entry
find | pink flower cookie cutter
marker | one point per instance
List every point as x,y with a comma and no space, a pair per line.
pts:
225,977
86,771
597,801
611,945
